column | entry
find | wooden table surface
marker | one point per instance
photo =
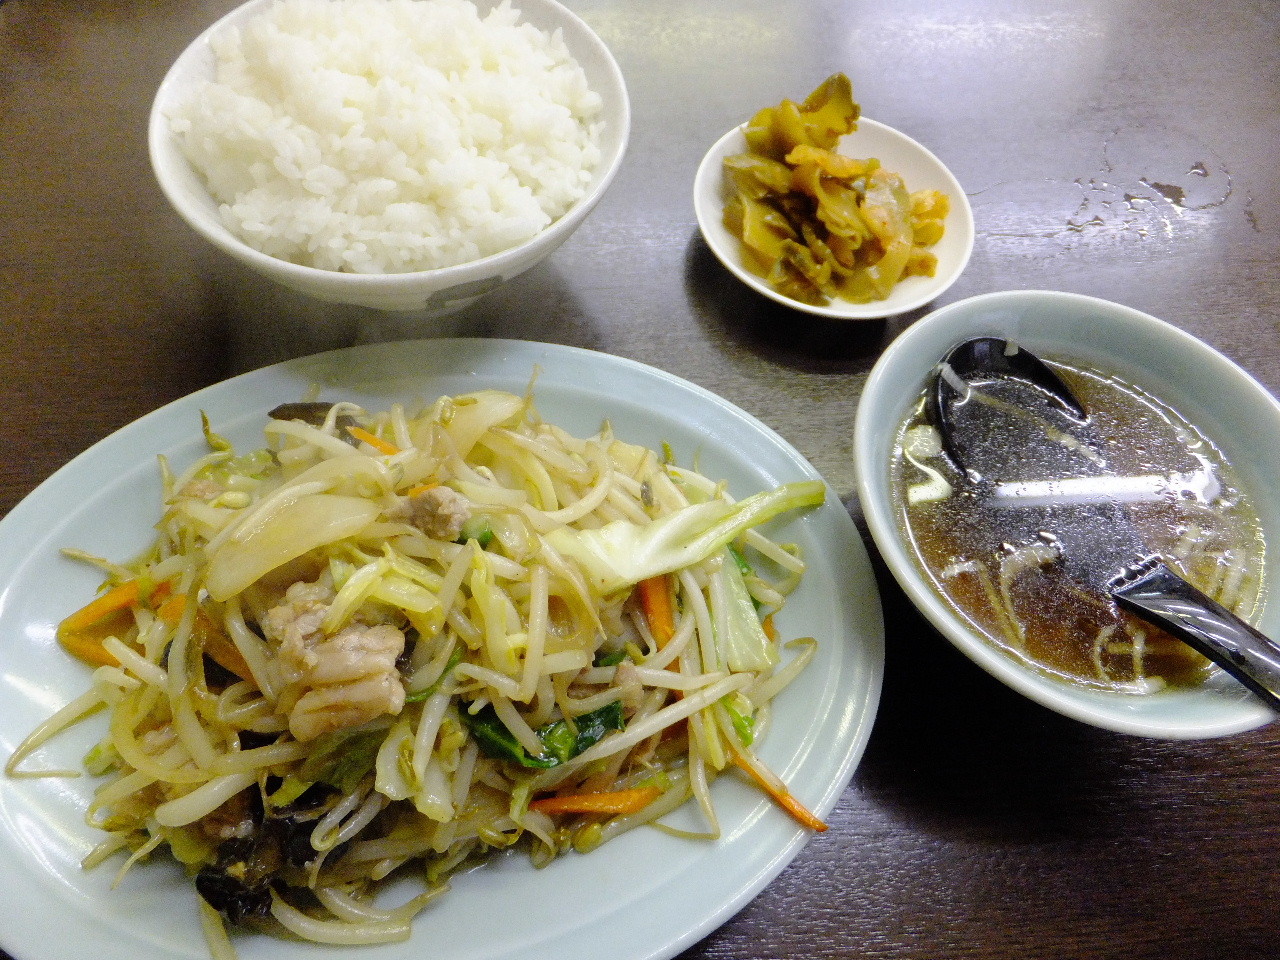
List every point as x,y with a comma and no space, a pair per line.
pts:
1120,148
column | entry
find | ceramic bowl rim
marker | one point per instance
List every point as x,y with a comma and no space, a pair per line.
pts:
901,371
187,195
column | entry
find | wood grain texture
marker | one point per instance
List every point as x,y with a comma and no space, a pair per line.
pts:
1119,148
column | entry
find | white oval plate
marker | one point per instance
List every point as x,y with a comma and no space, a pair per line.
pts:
647,895
920,170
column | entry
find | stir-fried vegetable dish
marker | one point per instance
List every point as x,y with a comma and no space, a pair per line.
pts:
388,644
819,225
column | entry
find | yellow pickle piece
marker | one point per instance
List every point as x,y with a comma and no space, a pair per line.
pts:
816,224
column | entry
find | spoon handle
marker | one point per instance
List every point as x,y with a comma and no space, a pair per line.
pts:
1164,599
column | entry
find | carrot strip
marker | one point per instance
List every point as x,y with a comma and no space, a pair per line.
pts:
418,489
83,632
658,607
222,651
382,446
776,789
612,803
212,641
88,648
117,598
770,630
171,610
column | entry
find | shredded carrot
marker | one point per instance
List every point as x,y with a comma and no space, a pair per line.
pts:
88,647
778,791
171,610
770,630
119,597
612,803
382,446
221,650
83,632
418,489
659,611
212,641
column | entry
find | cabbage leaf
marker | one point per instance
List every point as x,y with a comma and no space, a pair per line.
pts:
621,554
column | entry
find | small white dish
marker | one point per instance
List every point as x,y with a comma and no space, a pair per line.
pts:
920,170
432,291
1202,385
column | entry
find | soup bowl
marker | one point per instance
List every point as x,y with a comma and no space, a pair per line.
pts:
1223,401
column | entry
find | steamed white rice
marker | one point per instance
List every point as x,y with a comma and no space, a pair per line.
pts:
383,136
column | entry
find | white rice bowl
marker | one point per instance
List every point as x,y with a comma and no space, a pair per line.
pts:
390,136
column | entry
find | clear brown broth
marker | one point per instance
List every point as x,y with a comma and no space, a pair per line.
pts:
1057,625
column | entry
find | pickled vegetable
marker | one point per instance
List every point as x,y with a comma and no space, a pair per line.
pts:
819,225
